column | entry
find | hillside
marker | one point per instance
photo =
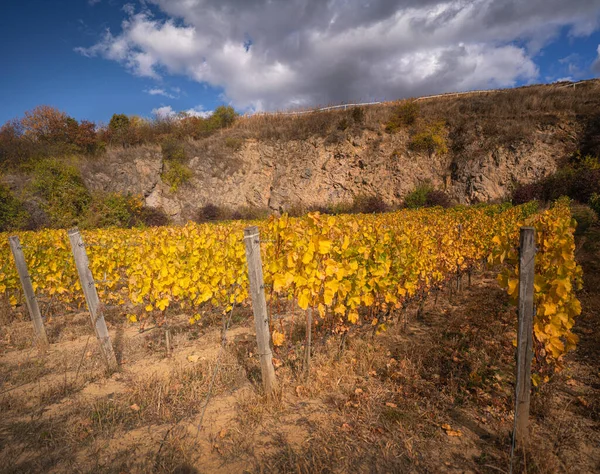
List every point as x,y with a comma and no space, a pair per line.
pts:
474,147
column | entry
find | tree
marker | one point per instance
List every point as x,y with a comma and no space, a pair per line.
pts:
223,116
46,124
86,138
119,127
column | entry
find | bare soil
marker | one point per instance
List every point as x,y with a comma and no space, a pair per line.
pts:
432,394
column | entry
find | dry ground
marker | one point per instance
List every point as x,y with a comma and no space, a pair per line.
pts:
429,395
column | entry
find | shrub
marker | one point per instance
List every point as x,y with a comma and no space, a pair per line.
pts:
437,198
223,116
118,128
343,124
418,197
431,139
12,213
172,150
234,143
405,115
65,197
358,115
209,213
586,182
152,217
176,174
368,205
584,216
527,192
248,213
113,210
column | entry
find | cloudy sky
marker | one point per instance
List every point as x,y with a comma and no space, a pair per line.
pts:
93,58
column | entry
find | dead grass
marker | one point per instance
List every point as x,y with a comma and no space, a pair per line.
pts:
369,404
182,393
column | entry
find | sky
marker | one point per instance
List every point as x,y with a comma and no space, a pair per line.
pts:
93,58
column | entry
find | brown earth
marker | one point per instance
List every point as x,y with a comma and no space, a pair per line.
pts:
429,395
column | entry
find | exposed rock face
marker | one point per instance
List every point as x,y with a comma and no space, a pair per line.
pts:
278,174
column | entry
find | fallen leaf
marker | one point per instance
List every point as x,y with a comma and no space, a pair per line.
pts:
450,432
358,391
223,433
193,358
277,362
346,427
391,405
135,407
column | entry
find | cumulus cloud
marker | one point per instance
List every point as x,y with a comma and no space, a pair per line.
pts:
162,92
167,112
198,111
268,55
164,112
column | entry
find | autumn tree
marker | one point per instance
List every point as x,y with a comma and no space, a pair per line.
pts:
118,128
46,124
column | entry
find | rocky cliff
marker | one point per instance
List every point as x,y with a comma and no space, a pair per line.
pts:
492,142
277,174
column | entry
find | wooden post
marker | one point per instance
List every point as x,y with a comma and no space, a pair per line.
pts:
168,341
259,307
525,333
32,305
91,297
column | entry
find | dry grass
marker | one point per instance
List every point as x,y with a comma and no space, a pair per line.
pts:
370,404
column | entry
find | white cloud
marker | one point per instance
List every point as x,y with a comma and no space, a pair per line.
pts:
157,91
167,112
308,52
198,111
596,63
164,112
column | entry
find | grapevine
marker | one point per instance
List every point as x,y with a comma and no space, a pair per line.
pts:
351,269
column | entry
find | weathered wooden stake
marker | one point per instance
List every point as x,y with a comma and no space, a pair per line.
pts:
259,307
168,341
525,333
91,297
41,339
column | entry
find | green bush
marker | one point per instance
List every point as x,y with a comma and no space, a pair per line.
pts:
173,150
418,197
430,139
405,115
222,117
584,216
60,186
112,210
176,174
234,143
12,213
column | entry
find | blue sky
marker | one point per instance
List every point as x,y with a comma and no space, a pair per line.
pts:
174,55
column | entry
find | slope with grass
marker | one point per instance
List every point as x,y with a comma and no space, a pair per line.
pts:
473,148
